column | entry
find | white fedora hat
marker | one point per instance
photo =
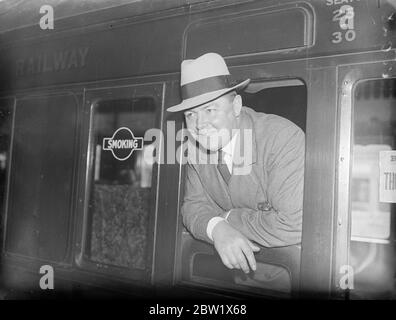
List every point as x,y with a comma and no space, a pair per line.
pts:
204,79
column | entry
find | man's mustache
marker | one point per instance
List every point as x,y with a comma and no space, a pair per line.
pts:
207,133
204,132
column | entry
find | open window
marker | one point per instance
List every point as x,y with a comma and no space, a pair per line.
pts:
200,264
285,98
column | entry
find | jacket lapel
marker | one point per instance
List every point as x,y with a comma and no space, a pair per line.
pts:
245,153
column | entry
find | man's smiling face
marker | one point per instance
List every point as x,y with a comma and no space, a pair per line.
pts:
211,124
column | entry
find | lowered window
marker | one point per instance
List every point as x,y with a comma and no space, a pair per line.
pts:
200,262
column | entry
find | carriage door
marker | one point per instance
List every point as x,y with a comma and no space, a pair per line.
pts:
246,40
367,181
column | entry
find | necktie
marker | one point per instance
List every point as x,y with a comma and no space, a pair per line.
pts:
222,167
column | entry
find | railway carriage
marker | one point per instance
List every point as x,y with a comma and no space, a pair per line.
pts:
104,214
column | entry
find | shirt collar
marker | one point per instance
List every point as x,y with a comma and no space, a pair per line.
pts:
230,146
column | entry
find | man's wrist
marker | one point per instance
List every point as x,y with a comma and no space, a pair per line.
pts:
211,224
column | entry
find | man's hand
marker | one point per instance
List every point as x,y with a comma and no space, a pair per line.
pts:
235,250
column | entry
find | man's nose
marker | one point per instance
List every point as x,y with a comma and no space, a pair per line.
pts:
201,120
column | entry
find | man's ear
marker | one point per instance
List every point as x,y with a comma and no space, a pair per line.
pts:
237,105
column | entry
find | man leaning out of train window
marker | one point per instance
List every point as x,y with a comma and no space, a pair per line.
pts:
244,180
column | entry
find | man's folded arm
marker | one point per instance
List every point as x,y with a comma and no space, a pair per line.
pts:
268,228
281,225
198,209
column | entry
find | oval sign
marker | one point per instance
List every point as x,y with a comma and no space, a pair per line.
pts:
122,143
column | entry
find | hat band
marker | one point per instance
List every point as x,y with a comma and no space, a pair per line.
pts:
205,85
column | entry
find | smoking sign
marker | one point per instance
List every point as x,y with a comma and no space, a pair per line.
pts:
387,164
122,143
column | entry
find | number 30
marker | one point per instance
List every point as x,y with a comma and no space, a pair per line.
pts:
350,35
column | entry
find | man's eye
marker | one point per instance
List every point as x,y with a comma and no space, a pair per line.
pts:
210,110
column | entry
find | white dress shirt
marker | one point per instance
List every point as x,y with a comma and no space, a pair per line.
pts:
228,150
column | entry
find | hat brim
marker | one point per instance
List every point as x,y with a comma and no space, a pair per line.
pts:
204,98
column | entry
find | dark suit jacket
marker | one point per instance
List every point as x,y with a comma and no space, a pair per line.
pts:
266,199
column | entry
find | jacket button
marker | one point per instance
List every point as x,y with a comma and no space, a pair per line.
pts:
264,206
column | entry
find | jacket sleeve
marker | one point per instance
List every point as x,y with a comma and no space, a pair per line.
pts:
198,208
282,225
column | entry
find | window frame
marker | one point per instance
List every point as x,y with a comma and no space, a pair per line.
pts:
91,98
11,102
349,76
281,76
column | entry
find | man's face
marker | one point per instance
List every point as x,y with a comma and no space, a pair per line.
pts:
211,124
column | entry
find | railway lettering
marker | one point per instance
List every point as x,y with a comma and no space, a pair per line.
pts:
52,62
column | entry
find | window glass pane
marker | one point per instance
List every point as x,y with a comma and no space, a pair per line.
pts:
372,209
121,192
41,177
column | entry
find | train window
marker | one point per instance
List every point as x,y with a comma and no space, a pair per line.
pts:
372,195
121,191
286,98
38,216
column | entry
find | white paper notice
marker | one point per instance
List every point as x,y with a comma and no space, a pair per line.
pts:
387,166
